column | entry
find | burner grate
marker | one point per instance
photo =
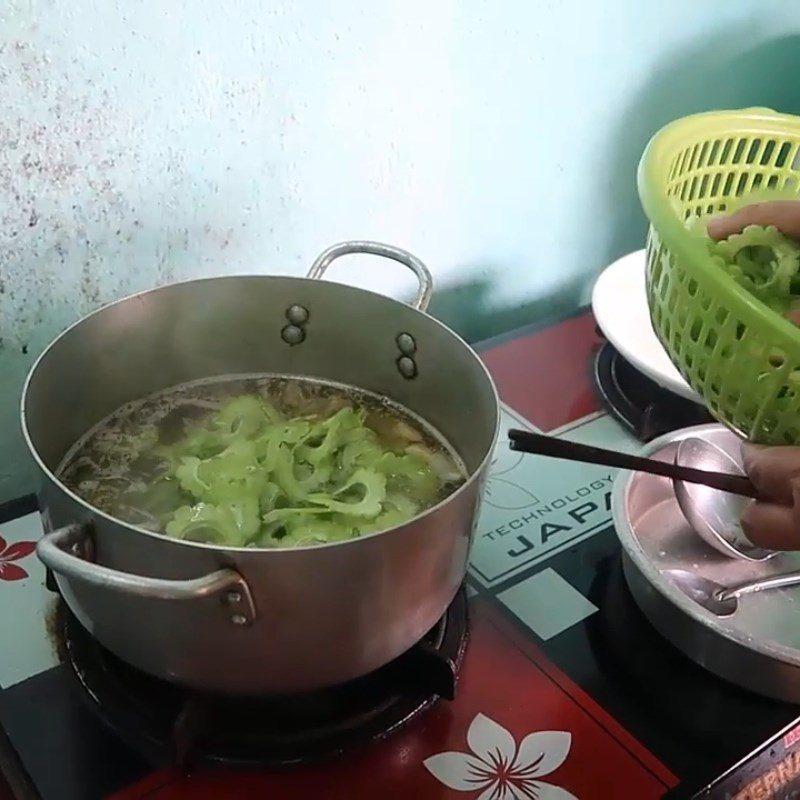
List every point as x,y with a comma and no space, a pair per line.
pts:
646,409
169,724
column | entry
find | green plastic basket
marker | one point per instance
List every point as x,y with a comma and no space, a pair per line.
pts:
739,355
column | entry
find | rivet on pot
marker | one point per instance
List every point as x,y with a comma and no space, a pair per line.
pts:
406,344
297,315
233,598
291,334
239,619
407,367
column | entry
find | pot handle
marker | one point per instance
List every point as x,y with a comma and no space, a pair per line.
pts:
325,258
64,551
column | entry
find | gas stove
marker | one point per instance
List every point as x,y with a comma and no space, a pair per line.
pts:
543,680
646,409
167,724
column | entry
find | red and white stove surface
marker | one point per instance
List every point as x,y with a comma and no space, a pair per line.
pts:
519,729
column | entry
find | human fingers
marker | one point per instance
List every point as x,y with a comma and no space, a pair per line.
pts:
772,526
783,214
773,471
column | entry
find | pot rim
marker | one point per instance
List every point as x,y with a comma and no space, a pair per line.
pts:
52,477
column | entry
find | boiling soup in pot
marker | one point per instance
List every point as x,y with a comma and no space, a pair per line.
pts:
262,461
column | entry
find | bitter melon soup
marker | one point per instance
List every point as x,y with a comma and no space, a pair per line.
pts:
262,461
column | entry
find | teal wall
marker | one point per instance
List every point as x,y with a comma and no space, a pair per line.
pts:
144,141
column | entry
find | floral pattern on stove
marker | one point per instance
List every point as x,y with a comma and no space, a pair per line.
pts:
502,493
15,551
500,770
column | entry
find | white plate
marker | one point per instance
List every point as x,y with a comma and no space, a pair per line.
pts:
619,303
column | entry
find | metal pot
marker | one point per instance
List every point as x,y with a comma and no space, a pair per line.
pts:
252,621
755,648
